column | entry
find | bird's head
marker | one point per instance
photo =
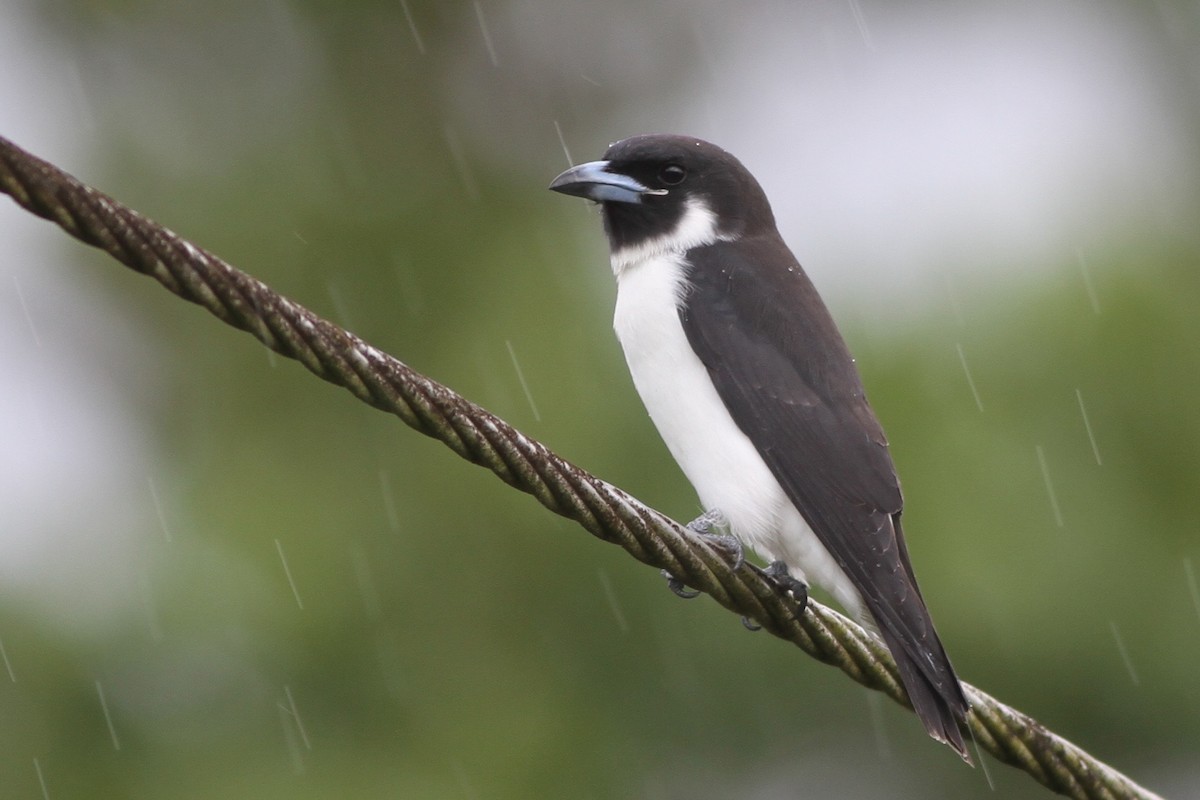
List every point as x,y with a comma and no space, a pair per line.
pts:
655,185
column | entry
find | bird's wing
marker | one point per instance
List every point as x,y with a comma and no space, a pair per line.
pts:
789,382
787,378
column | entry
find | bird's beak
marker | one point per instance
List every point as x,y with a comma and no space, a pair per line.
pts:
593,181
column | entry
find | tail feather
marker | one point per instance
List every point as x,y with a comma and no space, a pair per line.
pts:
941,708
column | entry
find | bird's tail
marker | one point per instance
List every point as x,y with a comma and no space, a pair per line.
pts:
940,706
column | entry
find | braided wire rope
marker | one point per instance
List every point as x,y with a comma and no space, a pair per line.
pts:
609,513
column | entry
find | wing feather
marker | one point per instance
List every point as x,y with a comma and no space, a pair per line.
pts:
789,381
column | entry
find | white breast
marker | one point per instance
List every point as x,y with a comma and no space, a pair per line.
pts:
718,459
721,463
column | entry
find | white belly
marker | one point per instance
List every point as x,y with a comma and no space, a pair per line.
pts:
719,460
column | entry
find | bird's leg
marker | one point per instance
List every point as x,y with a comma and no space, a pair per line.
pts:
782,577
703,525
713,518
796,589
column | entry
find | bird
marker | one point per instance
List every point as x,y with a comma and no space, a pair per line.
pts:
754,391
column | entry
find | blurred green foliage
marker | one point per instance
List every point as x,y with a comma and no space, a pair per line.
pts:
455,639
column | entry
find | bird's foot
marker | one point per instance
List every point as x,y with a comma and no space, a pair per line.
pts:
703,525
792,587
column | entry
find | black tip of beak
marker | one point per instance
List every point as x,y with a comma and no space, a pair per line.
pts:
569,183
593,181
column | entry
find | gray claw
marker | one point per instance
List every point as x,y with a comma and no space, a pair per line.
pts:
679,587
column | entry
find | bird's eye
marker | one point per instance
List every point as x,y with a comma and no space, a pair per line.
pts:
672,174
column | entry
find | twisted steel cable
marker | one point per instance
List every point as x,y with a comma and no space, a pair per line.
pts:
472,432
